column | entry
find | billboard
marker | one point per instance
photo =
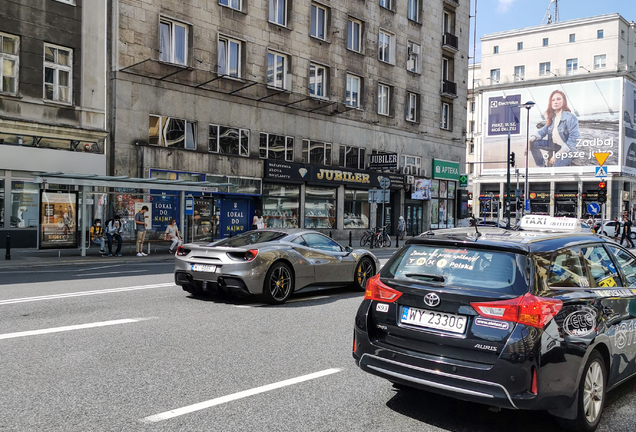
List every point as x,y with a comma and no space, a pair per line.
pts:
629,127
569,123
58,220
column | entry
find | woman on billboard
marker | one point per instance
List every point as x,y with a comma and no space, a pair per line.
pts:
559,135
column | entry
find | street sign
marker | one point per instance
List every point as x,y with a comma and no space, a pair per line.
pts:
601,157
189,207
518,193
379,196
463,180
527,205
593,208
385,183
601,171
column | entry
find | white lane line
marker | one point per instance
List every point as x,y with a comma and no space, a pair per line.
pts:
68,328
83,293
307,298
240,395
108,273
102,267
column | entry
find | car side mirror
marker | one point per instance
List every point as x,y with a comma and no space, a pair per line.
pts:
348,249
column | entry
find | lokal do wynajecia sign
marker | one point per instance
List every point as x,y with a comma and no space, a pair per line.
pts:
569,122
328,175
628,119
445,170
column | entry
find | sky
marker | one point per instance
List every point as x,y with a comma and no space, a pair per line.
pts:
500,15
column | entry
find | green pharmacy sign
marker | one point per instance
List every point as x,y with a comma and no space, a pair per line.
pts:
445,170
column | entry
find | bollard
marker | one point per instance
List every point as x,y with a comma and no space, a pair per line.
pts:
397,240
8,254
372,240
330,236
350,237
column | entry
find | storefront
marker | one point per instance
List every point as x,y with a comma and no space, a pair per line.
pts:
414,206
565,204
443,187
356,209
281,205
539,203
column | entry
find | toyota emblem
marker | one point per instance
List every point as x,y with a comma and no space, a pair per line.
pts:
431,300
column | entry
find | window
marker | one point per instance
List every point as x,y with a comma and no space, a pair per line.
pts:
234,4
384,94
278,70
520,72
316,152
58,73
172,132
9,63
281,205
413,162
545,41
24,204
278,12
318,80
471,127
544,68
600,61
411,107
229,61
352,157
622,34
599,34
519,46
572,38
571,66
449,23
563,271
447,116
356,209
276,147
173,42
413,12
472,106
413,62
320,212
495,74
354,30
495,49
386,4
353,91
384,47
228,140
601,267
626,263
318,27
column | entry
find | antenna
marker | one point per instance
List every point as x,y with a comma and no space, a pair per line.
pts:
550,18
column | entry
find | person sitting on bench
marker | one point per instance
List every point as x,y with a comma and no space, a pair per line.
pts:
172,234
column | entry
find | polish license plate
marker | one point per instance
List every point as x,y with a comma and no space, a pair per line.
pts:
433,320
204,268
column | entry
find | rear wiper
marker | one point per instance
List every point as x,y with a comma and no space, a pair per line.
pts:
436,278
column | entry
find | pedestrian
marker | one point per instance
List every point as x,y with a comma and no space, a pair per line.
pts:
172,234
401,227
140,226
617,229
114,229
97,235
257,221
627,230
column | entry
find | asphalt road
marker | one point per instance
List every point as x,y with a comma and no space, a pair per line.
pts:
129,351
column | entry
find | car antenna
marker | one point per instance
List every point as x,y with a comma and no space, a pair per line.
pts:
473,222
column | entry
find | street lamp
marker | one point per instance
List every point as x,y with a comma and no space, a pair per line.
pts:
528,106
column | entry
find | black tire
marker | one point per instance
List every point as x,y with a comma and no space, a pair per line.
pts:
364,271
279,284
591,399
364,239
387,241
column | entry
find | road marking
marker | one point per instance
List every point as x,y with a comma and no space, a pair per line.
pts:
107,273
83,293
240,395
307,298
68,328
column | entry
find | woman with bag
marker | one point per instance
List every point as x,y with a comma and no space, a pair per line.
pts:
257,221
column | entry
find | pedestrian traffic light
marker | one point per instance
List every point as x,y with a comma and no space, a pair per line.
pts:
602,192
519,205
511,159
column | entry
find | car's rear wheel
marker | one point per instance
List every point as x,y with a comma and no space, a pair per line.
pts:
279,284
364,271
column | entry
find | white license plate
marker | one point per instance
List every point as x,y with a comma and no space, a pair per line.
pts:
204,268
434,320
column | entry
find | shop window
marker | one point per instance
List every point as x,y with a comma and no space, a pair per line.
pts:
318,80
352,157
278,70
443,204
172,132
319,16
278,147
356,209
228,140
316,152
281,205
354,35
320,207
173,42
24,204
58,73
229,57
9,63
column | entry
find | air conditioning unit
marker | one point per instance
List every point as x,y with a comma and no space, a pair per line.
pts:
418,171
410,179
406,170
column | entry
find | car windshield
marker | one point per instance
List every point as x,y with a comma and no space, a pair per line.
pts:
250,238
457,267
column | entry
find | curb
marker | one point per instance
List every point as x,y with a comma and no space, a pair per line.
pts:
22,264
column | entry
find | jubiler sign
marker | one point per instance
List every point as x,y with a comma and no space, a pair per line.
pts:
383,160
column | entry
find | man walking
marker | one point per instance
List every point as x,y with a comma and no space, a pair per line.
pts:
627,230
617,229
140,225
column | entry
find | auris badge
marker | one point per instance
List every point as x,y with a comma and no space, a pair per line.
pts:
431,300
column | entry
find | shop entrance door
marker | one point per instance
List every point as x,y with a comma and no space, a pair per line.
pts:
414,219
203,225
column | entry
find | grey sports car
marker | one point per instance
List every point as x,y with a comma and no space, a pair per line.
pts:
271,263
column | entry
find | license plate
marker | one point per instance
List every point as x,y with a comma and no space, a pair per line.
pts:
434,320
204,268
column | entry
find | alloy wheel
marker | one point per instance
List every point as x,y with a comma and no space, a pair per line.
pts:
280,283
364,272
593,392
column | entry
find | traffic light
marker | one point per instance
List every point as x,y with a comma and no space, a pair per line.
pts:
519,205
602,192
511,159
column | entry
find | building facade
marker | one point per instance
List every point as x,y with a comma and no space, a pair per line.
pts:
282,104
576,77
53,86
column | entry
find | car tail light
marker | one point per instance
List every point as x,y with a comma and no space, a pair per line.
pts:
378,291
251,254
533,388
528,310
182,252
354,344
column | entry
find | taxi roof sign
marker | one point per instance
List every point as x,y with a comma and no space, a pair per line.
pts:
548,223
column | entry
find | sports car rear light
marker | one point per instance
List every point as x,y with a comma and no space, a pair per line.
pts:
251,254
528,310
377,291
181,251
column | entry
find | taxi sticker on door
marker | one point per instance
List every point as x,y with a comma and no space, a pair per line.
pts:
608,282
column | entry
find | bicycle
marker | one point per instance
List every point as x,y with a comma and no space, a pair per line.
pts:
367,237
382,239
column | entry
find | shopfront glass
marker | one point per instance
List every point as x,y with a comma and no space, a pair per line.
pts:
203,224
442,204
1,203
320,207
414,217
281,205
356,209
24,204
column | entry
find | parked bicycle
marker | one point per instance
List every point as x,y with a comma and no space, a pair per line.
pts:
381,238
367,238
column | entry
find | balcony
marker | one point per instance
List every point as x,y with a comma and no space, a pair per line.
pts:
450,42
454,3
449,88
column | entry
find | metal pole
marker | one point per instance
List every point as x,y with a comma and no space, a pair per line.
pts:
507,200
7,256
525,194
517,198
182,216
84,220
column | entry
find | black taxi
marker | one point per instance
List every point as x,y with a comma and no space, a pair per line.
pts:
541,318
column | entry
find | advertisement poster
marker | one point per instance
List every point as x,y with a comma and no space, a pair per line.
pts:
234,217
162,210
629,128
434,188
58,220
567,125
451,190
421,189
443,189
434,214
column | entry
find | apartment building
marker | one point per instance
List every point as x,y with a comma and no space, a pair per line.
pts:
283,103
589,65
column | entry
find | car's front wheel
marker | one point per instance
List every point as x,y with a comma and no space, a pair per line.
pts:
364,271
279,284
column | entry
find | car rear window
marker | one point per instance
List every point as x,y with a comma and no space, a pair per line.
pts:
250,238
458,267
